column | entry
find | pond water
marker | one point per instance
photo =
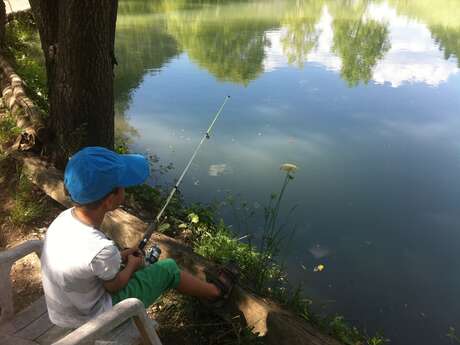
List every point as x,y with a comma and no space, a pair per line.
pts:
362,95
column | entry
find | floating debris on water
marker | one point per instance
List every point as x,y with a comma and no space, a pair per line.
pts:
196,183
303,267
319,252
218,169
318,268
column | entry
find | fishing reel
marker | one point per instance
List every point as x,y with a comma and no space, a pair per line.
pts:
152,255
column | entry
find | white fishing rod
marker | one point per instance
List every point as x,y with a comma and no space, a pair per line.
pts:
153,256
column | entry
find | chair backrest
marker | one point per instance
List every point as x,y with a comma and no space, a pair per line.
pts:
7,259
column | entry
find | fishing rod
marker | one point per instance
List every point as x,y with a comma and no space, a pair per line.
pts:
155,252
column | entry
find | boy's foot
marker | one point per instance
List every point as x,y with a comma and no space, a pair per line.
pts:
225,280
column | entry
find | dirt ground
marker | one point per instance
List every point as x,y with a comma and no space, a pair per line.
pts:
25,274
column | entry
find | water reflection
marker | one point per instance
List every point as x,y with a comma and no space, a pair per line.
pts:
300,35
359,42
363,95
230,50
236,42
381,46
142,46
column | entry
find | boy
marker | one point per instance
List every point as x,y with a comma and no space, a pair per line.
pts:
81,267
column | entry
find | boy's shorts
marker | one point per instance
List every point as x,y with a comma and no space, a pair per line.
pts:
149,283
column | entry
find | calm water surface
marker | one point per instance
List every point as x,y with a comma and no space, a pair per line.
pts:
364,96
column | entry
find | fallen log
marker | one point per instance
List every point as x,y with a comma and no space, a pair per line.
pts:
263,316
27,115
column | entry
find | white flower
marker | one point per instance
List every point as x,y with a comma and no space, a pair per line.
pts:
288,167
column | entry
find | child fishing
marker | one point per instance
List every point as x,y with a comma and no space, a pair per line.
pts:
82,269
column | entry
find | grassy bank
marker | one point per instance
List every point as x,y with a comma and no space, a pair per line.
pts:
197,225
23,49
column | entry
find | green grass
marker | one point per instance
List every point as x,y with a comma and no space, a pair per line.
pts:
338,327
8,129
26,208
23,49
218,244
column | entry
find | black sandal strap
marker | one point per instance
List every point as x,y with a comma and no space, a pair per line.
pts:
221,285
231,270
231,273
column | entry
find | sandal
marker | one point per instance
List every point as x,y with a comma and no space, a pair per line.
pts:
226,278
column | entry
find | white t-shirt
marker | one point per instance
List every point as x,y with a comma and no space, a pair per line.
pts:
75,261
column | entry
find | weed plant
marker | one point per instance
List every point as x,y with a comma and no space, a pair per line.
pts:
24,50
8,129
452,335
218,244
259,268
26,209
273,234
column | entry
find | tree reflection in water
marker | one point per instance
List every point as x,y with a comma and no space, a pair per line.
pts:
229,38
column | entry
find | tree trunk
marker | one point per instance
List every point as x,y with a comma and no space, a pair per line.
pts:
77,38
2,24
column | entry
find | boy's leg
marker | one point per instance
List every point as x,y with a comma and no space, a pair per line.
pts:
151,282
193,286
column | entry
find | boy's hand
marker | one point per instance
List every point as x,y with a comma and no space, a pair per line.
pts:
136,260
128,251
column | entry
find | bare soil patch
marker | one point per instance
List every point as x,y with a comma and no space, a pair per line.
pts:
25,274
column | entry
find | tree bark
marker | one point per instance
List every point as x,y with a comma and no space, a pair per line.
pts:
77,38
2,24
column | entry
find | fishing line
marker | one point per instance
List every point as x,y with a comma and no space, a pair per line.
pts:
153,225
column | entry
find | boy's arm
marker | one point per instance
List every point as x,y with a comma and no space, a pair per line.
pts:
106,266
122,277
